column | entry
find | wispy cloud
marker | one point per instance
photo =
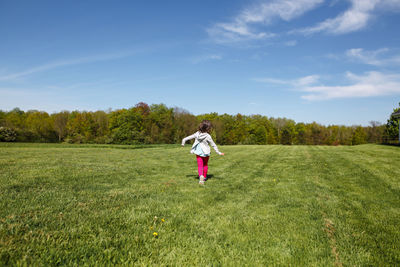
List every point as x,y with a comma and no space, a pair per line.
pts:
378,57
204,58
370,84
353,19
63,63
229,33
246,25
271,80
291,43
300,82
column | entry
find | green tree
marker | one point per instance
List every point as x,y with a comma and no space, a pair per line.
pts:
375,132
278,124
316,134
60,121
240,129
260,135
15,119
288,133
392,128
359,136
101,121
228,135
40,126
185,124
81,127
162,124
300,134
272,132
345,135
256,131
126,126
332,135
2,118
7,134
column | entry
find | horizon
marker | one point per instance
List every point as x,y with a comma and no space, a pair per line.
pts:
334,62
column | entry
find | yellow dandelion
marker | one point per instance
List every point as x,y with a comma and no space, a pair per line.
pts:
155,234
162,220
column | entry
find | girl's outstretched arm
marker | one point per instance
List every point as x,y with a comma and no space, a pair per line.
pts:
187,138
214,146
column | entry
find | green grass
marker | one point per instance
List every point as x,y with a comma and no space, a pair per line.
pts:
264,205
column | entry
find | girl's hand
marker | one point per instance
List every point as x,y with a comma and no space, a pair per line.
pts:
222,154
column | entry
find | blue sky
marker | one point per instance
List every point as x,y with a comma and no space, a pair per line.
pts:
329,61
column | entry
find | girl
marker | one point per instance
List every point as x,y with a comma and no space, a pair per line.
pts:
201,148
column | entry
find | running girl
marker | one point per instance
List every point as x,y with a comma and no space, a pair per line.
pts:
201,148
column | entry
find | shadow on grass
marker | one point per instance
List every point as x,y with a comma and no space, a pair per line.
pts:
392,144
195,176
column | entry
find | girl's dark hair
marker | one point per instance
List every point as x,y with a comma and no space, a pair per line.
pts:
205,126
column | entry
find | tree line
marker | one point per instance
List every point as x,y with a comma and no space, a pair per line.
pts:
159,124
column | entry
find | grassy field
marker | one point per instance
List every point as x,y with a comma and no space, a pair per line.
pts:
263,205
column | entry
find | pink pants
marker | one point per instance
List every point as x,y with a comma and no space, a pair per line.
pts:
202,165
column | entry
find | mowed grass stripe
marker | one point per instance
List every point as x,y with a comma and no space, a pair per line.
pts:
220,216
378,208
299,228
361,205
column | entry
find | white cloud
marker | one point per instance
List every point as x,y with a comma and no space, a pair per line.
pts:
371,84
393,5
303,81
291,43
307,80
57,64
355,18
242,27
228,33
376,57
271,80
283,9
203,58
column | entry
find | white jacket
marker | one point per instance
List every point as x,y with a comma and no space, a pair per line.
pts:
204,139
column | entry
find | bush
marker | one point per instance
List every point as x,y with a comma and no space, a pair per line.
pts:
7,134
